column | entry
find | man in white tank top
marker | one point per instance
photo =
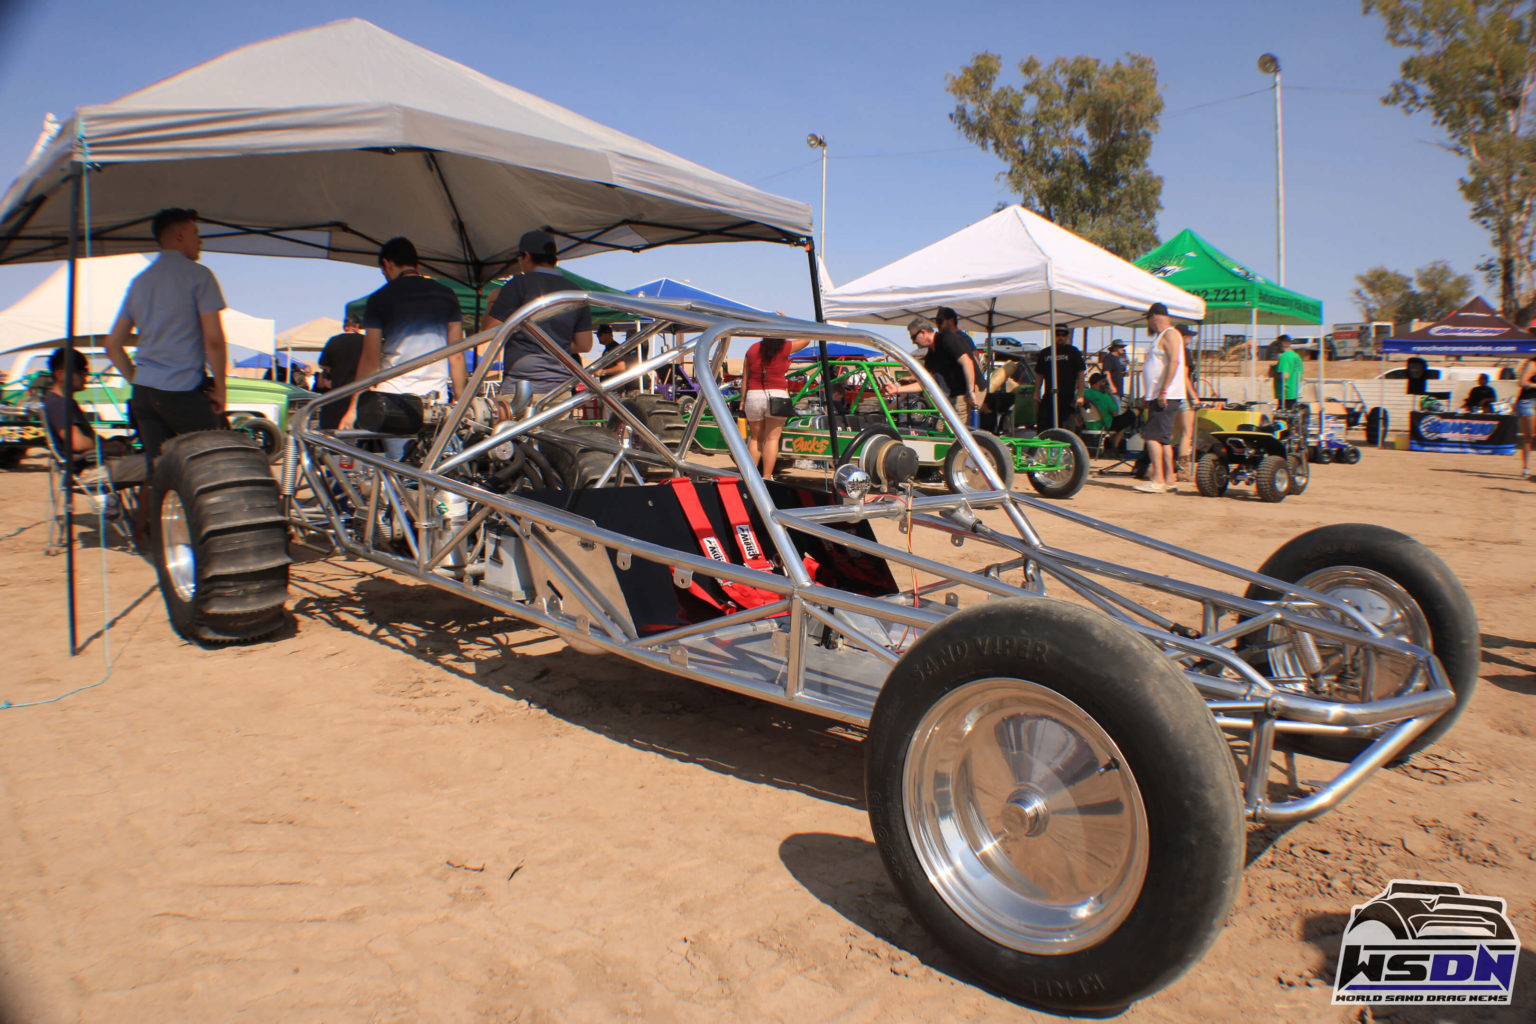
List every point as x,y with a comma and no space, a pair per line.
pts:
1164,383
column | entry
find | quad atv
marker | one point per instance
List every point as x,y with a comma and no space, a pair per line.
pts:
1046,771
1271,455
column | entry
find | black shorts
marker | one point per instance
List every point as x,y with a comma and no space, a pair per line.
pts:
1160,422
161,415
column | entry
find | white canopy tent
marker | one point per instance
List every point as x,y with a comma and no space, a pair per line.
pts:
329,141
40,318
1014,270
310,336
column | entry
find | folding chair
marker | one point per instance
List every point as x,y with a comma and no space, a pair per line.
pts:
93,482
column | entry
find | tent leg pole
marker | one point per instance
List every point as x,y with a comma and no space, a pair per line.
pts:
986,387
821,347
1051,341
1253,356
69,361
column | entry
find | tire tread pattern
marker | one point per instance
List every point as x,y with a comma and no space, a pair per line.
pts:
238,535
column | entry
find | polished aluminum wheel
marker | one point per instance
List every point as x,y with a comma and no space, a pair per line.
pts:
1025,816
1350,672
1059,477
967,477
176,547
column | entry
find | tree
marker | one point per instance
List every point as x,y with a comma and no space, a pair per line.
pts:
1381,294
1437,290
1075,136
1433,291
1473,68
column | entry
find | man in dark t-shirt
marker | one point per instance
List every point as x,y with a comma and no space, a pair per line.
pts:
72,431
1113,362
1481,397
950,361
338,368
953,360
525,358
1056,407
411,316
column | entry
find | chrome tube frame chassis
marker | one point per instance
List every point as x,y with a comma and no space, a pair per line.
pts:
821,649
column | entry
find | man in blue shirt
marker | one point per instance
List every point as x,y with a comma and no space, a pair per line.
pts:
174,303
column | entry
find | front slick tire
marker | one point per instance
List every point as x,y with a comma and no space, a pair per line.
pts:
1404,589
219,538
1054,803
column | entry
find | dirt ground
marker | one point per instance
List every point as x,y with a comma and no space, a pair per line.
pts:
404,808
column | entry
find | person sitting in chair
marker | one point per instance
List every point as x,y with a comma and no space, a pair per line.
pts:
75,439
1105,411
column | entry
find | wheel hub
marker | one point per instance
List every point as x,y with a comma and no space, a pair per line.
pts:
176,546
1025,816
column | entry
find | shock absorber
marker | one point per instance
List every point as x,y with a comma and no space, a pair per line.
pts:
290,474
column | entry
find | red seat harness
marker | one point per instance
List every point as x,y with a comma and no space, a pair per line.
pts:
739,595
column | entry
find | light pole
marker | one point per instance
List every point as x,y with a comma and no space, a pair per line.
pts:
819,142
1270,65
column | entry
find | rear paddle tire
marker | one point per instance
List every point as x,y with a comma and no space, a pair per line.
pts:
1069,479
1400,586
219,538
1054,803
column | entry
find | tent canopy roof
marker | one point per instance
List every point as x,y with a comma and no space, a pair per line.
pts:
667,288
328,141
1475,329
1009,272
1232,292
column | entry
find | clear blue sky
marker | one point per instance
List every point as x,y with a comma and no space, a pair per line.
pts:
737,87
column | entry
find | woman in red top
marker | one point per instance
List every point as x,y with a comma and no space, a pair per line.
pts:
763,379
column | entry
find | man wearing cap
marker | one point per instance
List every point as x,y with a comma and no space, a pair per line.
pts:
950,360
1165,386
1054,405
1113,362
174,303
525,357
409,317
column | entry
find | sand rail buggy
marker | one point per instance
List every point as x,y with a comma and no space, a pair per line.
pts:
1055,462
1057,785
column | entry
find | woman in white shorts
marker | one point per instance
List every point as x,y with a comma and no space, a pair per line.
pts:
765,403
1525,410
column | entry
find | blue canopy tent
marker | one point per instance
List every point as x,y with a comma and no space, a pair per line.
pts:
835,350
1473,330
666,288
262,361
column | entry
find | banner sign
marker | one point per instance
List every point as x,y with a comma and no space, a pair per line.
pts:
1474,434
1472,347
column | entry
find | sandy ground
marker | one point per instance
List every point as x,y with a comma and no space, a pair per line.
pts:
405,809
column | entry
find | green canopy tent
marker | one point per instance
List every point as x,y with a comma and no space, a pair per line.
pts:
475,303
1233,293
